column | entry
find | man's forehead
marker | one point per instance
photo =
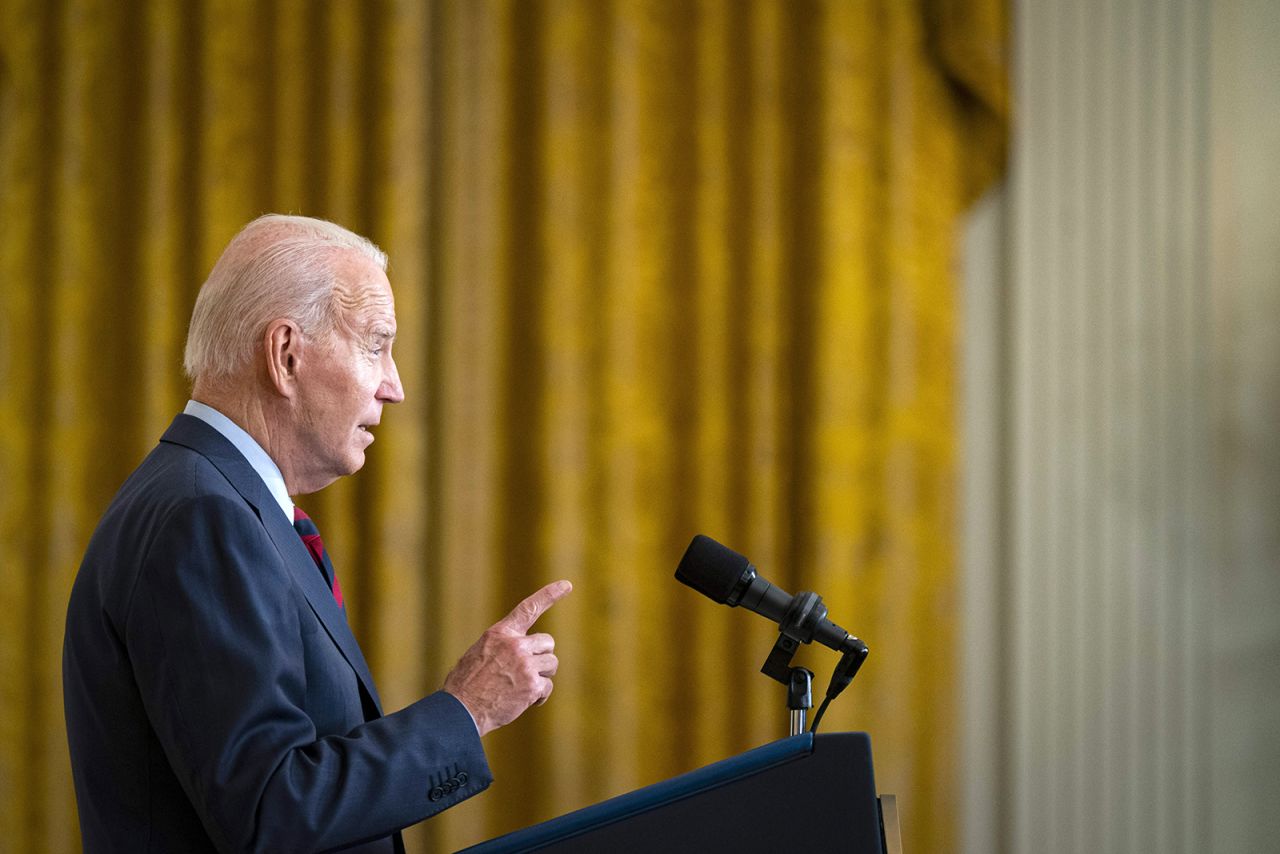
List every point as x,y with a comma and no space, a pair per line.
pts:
354,267
374,315
363,288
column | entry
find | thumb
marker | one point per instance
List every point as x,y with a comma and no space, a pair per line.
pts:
524,615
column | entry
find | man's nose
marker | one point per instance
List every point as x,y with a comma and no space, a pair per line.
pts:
391,391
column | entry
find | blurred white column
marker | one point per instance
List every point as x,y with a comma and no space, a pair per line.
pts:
1245,272
1094,496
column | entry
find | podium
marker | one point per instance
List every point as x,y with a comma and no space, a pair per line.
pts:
803,793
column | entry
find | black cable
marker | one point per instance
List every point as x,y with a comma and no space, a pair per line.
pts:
852,659
813,727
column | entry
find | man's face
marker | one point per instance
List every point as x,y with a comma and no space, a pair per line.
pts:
344,381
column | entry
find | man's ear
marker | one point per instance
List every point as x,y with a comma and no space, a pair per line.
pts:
282,342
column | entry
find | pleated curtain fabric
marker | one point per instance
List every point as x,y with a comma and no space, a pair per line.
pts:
661,268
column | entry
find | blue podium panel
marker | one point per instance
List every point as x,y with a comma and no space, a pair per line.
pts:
804,793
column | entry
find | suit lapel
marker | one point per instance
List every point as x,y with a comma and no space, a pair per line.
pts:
191,432
319,596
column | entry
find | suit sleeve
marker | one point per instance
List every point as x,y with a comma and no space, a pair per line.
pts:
214,633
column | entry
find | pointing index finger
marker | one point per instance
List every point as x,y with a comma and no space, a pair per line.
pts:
524,615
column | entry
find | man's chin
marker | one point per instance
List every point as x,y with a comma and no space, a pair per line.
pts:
340,468
355,463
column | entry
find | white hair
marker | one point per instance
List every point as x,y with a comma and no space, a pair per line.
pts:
277,267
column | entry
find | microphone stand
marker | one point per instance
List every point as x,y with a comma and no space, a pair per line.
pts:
796,627
799,697
804,615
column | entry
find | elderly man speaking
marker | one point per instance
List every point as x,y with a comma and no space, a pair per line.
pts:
215,697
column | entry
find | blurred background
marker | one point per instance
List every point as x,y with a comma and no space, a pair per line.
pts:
962,314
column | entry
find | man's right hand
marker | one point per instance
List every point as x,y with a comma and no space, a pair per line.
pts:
508,670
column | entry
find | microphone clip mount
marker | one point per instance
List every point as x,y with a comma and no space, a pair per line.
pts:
805,613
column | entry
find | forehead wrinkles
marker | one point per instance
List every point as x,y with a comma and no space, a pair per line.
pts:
363,299
360,299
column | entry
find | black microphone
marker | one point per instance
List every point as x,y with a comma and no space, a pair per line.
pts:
727,577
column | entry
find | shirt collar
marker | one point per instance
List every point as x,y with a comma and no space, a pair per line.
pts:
252,451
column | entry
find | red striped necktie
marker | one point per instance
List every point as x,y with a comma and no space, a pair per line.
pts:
311,539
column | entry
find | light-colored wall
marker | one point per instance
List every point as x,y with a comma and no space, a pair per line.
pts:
1244,209
1121,652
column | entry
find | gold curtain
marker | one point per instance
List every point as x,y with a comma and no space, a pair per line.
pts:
661,268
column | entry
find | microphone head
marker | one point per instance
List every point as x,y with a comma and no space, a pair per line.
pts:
713,570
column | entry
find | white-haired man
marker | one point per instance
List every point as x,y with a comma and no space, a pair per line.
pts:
215,697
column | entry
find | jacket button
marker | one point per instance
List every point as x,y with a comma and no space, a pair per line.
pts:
436,793
462,778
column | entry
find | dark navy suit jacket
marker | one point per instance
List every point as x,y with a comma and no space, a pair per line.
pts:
215,697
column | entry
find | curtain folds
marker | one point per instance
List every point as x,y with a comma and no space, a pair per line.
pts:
661,268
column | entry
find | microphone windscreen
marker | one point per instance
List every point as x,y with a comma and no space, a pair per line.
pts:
711,569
